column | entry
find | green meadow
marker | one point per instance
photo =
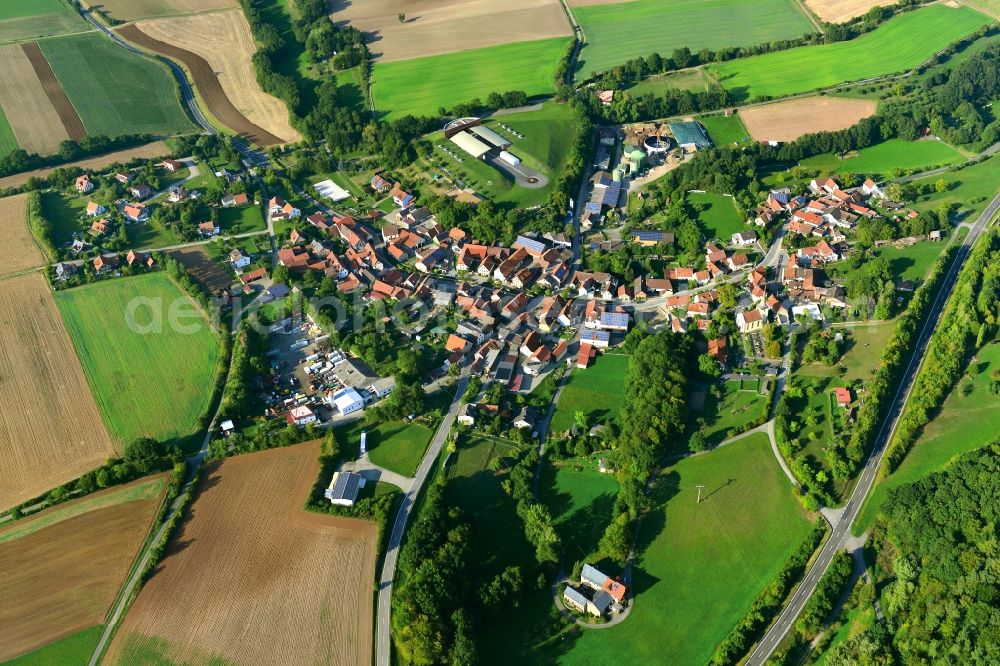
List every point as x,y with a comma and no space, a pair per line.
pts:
969,188
73,649
884,158
148,354
719,217
23,20
619,32
115,92
968,420
733,408
395,445
895,46
582,502
598,392
8,141
421,86
725,131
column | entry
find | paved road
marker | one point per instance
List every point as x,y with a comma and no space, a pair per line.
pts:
383,628
842,529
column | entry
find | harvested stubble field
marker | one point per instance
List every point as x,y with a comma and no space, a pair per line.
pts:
34,120
50,429
251,578
787,121
217,49
133,10
129,343
61,570
146,151
446,26
19,251
838,11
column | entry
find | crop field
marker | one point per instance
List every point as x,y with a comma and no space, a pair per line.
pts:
8,141
217,49
620,31
421,86
839,11
883,158
50,431
133,10
699,565
252,578
31,114
725,131
734,408
19,250
968,420
61,569
114,91
598,392
22,20
436,27
787,121
139,332
719,219
145,151
581,500
991,7
895,46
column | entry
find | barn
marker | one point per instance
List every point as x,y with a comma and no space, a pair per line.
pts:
343,488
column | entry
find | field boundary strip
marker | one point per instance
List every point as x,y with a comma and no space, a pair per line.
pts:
54,91
206,82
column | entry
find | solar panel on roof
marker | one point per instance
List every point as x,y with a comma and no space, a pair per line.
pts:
595,336
614,319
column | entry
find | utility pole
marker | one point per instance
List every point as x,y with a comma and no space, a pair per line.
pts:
699,487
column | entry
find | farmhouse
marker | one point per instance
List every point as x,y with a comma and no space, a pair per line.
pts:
744,238
172,166
343,488
208,229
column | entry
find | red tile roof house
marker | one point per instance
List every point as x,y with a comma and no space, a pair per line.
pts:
843,396
135,212
584,355
172,165
83,184
94,209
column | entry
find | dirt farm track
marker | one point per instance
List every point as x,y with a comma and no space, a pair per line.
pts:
251,578
50,430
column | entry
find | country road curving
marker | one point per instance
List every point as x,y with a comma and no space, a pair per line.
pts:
842,529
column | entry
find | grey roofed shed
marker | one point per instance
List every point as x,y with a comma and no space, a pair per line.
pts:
470,144
343,488
490,136
690,134
575,597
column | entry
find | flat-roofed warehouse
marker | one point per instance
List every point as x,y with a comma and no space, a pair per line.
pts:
489,136
471,145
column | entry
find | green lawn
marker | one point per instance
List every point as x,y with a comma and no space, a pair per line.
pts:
864,352
695,80
422,85
970,188
241,220
396,445
597,391
818,416
897,45
619,32
881,159
22,20
74,649
719,219
149,356
581,500
144,489
115,92
699,566
66,214
497,533
968,420
907,263
8,141
734,408
725,131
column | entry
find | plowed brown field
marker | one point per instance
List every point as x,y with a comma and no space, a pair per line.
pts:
205,270
18,251
63,577
50,430
253,579
53,90
145,151
787,121
217,49
32,117
433,27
